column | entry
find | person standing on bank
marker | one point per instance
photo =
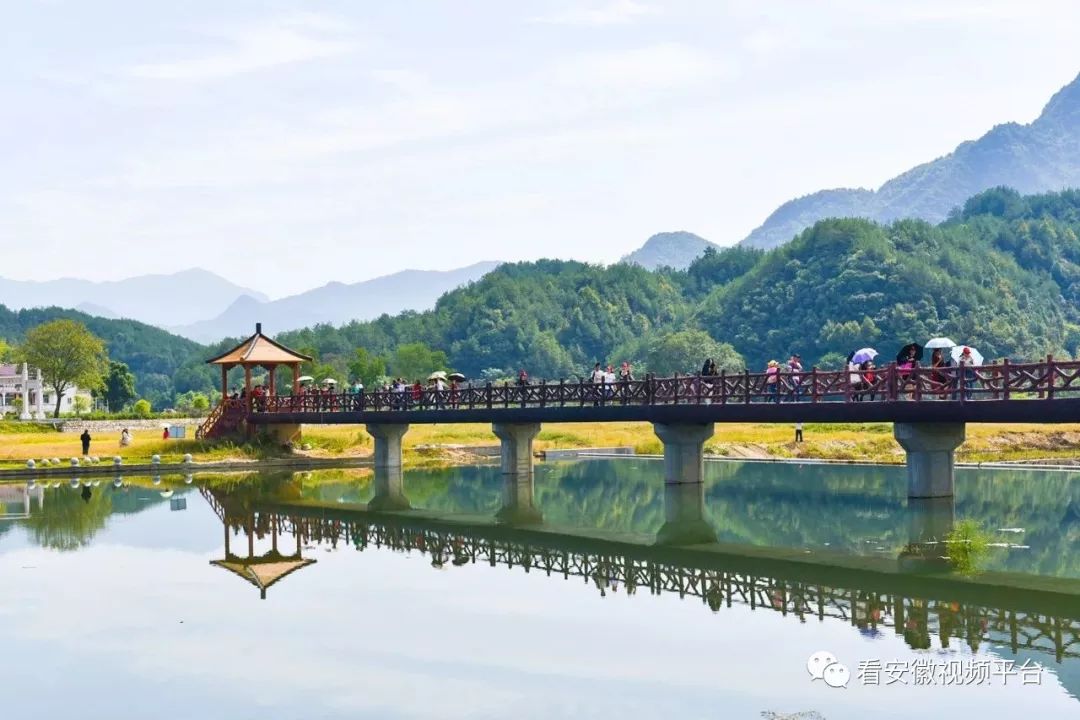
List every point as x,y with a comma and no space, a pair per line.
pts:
85,437
798,432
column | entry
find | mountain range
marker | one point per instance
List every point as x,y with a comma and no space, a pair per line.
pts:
163,300
1039,157
335,303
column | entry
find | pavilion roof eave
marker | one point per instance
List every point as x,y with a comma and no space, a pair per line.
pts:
258,349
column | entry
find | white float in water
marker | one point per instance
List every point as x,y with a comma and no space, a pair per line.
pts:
56,461
166,493
117,460
155,459
156,480
188,479
74,462
74,482
187,457
45,461
118,482
31,464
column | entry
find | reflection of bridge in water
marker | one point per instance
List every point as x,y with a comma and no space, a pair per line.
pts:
913,594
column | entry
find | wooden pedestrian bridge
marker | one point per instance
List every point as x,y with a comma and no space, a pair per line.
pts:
929,407
912,594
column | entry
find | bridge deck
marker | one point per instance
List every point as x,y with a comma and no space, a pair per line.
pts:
1042,392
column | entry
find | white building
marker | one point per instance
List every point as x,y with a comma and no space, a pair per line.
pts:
25,384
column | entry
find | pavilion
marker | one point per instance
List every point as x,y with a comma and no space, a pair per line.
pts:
254,352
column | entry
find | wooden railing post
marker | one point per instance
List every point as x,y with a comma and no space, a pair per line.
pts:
506,393
892,383
1050,379
814,392
918,383
581,390
676,400
746,385
1005,380
699,388
723,386
543,393
487,390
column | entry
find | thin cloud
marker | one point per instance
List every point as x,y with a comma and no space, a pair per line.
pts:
617,12
284,41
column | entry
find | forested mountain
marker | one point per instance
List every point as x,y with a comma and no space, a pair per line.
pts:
154,356
1002,274
669,249
1039,157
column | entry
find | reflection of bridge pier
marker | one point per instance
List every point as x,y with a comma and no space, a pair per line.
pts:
389,489
684,516
930,520
519,501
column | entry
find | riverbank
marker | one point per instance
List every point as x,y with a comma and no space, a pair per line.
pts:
458,443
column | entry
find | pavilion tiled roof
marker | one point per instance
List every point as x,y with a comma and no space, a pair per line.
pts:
257,350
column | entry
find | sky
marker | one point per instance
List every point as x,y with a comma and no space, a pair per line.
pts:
284,145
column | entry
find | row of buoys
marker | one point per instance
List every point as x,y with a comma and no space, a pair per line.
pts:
94,460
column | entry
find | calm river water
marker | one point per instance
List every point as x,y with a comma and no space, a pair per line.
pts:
595,594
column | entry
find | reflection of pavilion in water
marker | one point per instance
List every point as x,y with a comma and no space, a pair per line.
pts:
261,570
16,501
911,595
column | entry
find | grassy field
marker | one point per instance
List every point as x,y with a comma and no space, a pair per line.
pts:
435,444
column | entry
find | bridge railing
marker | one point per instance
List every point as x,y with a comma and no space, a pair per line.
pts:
890,383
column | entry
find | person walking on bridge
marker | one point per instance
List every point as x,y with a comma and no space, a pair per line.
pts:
795,368
597,380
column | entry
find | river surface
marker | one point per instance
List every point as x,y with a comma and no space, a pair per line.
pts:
594,593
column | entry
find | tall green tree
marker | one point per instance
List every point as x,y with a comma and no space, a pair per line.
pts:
415,361
67,354
685,352
369,368
119,386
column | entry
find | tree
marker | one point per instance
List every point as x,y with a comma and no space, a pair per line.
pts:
67,354
82,405
685,351
142,408
119,386
415,361
6,351
369,368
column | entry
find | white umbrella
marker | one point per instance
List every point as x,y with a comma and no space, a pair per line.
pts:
863,355
330,381
939,342
437,375
304,378
958,351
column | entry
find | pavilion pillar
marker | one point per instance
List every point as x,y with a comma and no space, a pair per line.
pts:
684,450
517,446
387,443
224,382
247,387
295,379
272,390
24,412
930,451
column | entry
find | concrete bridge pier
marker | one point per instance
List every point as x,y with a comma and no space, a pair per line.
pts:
387,443
684,450
389,490
930,520
517,446
684,516
930,451
518,501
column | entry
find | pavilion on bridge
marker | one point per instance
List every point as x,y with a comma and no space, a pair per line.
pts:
257,351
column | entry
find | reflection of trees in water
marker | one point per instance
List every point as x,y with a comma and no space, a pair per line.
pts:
66,521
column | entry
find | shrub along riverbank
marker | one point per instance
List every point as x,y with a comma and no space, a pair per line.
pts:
450,443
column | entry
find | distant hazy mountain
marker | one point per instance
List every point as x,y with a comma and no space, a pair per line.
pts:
1039,157
669,249
161,300
335,303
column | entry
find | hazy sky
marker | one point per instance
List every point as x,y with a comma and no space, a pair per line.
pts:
286,144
